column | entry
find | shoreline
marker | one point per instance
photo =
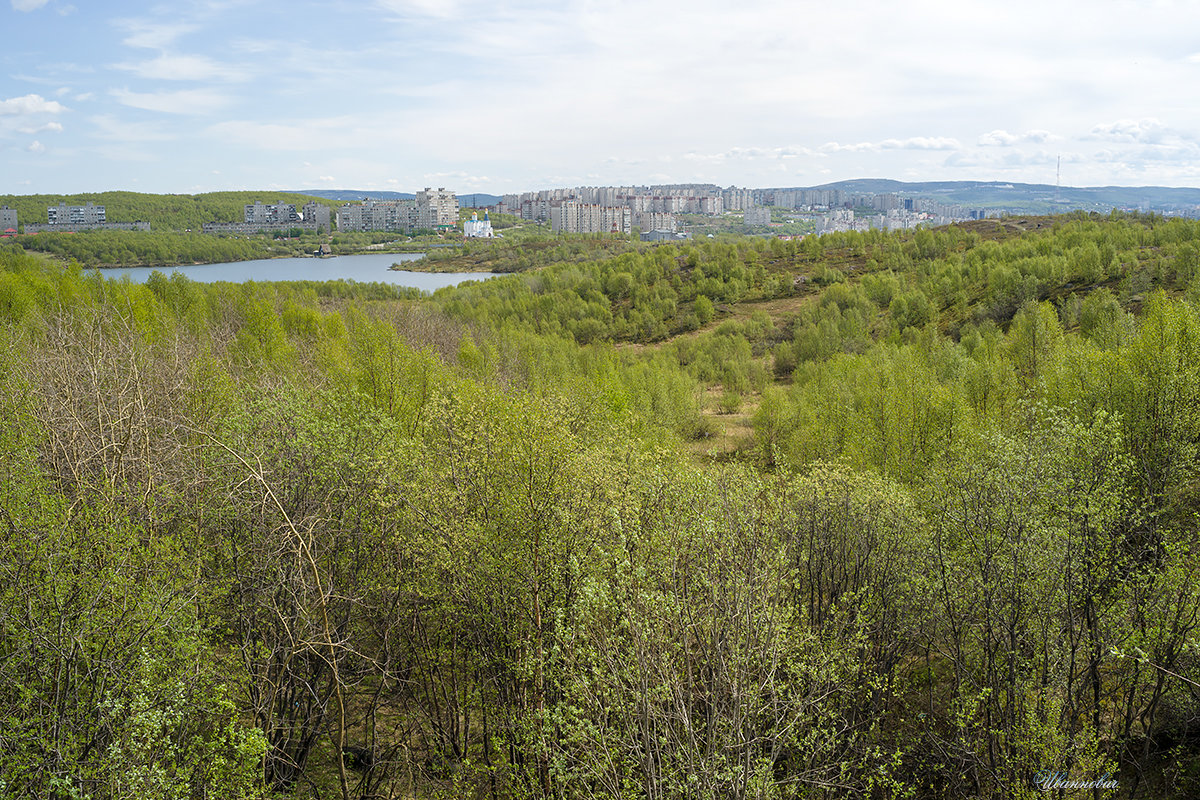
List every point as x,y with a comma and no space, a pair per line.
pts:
177,265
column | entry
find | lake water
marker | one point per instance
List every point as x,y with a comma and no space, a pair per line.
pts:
366,268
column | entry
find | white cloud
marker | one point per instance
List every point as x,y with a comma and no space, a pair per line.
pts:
438,9
52,127
1146,131
998,139
921,143
320,135
30,104
112,128
1002,138
151,35
913,143
752,154
183,68
36,147
189,101
28,5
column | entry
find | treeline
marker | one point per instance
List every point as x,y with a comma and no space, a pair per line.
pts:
141,249
520,255
164,212
325,540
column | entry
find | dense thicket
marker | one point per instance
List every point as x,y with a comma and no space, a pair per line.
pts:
319,540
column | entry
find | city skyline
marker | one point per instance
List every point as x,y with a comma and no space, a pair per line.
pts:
206,95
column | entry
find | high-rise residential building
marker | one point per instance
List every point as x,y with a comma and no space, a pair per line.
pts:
8,219
654,221
737,199
572,216
885,202
437,209
757,216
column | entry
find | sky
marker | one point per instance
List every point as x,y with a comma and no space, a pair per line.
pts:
517,95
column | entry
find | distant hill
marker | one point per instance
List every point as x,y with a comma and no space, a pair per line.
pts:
477,200
352,195
1029,198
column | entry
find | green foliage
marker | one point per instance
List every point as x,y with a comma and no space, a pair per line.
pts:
164,212
332,539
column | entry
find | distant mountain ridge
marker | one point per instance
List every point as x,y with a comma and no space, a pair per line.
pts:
1026,197
351,195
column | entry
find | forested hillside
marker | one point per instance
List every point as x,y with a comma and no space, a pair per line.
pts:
164,212
323,540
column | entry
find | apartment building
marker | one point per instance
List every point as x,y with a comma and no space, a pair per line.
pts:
378,215
280,214
436,209
431,210
8,219
63,214
736,199
278,217
655,221
572,216
757,216
316,216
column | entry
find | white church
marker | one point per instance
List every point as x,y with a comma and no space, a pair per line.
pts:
476,228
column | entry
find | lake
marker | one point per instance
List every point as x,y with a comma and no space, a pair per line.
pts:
366,268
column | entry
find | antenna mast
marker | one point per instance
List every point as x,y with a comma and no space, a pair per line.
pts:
1058,182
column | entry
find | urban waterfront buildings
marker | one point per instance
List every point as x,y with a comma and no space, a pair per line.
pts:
281,216
430,210
378,215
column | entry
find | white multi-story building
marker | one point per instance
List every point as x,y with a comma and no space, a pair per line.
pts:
8,219
757,216
437,209
279,214
63,214
316,215
431,210
378,215
737,199
654,221
572,216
